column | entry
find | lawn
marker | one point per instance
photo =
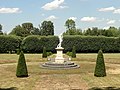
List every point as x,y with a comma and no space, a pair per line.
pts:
70,79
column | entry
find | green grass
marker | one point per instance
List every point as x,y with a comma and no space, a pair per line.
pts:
72,79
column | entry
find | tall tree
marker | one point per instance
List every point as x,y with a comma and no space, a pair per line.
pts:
1,30
47,28
95,31
88,32
28,26
19,31
70,24
35,31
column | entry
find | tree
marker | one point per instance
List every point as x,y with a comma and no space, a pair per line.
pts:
73,32
1,33
73,52
47,28
44,55
100,70
70,24
21,67
28,26
35,31
88,32
19,31
95,31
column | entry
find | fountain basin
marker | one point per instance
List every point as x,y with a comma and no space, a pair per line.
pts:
65,65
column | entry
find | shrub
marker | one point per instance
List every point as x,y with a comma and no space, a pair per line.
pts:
18,51
49,53
100,70
73,52
21,67
69,53
44,55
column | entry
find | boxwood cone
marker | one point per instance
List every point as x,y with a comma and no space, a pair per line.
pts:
44,55
73,52
21,67
100,70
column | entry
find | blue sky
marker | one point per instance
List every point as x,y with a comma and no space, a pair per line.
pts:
86,13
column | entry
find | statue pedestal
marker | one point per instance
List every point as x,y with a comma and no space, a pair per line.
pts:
59,57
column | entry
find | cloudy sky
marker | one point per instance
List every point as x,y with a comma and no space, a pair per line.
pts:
86,13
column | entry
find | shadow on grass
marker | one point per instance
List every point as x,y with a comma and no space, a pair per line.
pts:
104,88
12,88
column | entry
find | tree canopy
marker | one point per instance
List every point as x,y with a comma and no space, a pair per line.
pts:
19,31
70,24
1,30
47,28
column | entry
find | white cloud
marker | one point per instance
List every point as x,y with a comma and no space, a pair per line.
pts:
62,7
107,27
10,10
54,5
111,21
88,19
73,18
107,9
51,18
117,11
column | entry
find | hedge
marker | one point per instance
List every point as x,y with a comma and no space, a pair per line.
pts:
9,43
35,44
91,44
83,44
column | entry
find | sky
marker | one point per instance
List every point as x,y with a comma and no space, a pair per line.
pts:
85,13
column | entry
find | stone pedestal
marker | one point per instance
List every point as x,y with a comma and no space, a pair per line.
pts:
59,56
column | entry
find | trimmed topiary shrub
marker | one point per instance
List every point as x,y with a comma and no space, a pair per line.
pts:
44,55
100,70
73,52
49,53
18,51
21,67
69,54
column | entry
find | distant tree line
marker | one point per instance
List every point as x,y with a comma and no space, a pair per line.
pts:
94,31
47,28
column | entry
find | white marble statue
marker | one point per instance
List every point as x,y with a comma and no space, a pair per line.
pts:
60,40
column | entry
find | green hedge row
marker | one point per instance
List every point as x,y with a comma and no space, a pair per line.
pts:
9,43
35,44
91,44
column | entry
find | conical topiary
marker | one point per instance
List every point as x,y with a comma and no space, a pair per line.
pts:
73,52
44,55
21,67
100,70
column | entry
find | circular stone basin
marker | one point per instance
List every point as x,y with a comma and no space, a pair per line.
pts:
65,65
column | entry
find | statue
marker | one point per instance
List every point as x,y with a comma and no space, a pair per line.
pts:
60,40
